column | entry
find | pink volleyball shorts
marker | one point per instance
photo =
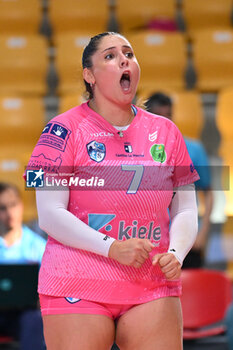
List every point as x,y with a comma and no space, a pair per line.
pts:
51,305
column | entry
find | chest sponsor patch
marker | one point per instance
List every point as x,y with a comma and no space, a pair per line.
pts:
158,153
55,135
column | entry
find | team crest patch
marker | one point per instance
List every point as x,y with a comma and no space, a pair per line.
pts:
72,300
158,153
96,151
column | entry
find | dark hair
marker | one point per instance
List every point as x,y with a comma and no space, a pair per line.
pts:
89,51
158,99
8,186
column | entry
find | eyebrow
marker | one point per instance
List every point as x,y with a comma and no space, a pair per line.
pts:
113,47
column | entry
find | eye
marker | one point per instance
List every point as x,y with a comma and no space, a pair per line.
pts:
129,54
109,56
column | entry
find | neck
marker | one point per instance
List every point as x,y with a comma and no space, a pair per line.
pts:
11,236
113,113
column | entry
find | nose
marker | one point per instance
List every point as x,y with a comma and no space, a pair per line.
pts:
123,61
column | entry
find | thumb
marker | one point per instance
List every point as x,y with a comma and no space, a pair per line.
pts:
156,258
148,245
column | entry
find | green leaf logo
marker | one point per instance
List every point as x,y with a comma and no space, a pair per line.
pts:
158,153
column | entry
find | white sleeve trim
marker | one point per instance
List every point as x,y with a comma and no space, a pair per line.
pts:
184,221
66,228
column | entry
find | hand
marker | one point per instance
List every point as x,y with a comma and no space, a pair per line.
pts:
169,265
132,252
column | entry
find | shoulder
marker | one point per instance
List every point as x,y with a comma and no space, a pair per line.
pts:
157,120
71,117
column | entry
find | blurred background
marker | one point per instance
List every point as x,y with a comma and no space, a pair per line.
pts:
185,50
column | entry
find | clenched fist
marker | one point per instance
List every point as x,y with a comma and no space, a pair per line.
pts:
132,252
169,265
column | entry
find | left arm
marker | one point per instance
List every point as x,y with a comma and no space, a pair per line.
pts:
183,231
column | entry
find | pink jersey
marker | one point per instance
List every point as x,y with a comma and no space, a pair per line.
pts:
131,178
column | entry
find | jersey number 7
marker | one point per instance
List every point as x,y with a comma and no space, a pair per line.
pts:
137,178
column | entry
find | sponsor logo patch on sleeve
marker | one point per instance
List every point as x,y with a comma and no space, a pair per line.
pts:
55,135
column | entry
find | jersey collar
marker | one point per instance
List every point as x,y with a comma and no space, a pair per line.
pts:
103,123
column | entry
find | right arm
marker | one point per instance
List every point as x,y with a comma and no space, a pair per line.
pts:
66,228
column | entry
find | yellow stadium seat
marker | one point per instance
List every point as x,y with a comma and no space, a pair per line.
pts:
18,17
224,115
224,124
12,166
213,60
204,14
227,176
73,15
162,58
135,14
22,120
229,192
68,61
188,113
70,101
228,186
145,91
23,65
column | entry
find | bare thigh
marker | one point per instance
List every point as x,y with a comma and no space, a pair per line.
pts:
156,325
78,332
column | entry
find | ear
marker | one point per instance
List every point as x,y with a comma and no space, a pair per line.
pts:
88,76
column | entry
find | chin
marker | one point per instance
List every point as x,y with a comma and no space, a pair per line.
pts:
127,97
126,101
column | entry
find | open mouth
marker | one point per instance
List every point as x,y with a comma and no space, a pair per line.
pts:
125,81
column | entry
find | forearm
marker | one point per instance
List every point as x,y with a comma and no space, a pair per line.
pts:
66,228
184,222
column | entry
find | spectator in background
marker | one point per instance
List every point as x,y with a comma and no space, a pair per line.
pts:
18,244
161,104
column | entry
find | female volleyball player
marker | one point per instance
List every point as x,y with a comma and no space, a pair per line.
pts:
112,254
